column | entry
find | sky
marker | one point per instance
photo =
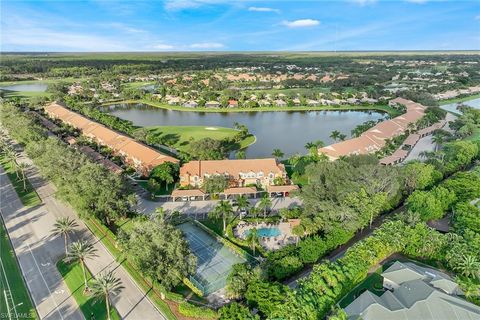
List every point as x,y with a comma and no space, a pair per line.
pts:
221,25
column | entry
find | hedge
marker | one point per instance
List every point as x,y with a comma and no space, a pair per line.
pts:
190,310
195,290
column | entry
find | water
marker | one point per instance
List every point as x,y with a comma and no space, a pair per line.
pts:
452,107
31,87
265,232
288,131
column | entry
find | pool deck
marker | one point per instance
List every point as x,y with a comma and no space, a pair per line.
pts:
270,243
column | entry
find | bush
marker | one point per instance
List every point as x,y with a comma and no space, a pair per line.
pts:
235,311
190,310
192,287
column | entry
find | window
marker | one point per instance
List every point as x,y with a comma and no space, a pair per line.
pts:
260,174
271,175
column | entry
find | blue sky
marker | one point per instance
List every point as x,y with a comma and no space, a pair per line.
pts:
208,25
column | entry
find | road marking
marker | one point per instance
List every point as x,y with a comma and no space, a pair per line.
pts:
45,264
44,281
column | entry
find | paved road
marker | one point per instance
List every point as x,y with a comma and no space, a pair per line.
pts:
426,143
197,208
38,252
29,231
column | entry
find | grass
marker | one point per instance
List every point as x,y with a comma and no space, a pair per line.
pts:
109,240
73,276
11,277
161,191
380,108
456,100
137,84
46,81
29,197
373,283
475,136
25,94
183,135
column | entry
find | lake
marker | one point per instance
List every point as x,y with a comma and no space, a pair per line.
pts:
29,87
452,107
289,131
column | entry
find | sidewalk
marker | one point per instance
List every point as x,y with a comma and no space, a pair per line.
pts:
30,231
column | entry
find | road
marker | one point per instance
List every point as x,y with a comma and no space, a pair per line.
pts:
198,208
426,143
38,251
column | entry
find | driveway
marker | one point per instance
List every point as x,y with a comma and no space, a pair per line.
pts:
38,252
199,208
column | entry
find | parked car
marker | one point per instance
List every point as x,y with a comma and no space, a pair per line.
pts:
185,198
243,213
193,198
278,195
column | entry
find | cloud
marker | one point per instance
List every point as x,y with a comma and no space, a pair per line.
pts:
206,45
163,47
301,23
178,5
417,1
123,27
363,2
263,9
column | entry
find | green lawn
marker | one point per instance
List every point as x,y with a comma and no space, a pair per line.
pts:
137,84
73,275
29,197
183,134
162,191
381,108
373,283
11,280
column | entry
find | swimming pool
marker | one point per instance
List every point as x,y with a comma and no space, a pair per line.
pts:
266,232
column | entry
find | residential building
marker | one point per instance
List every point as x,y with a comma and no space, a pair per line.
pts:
240,173
134,153
413,292
212,104
279,103
190,104
375,138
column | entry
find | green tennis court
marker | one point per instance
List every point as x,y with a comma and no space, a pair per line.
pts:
214,259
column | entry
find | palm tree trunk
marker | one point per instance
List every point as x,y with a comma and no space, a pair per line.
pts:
224,223
107,303
66,244
24,181
84,274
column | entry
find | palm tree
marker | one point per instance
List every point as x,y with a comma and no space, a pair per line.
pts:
63,227
81,251
22,167
468,265
242,203
277,153
319,143
335,134
309,145
342,137
252,239
223,210
104,285
264,204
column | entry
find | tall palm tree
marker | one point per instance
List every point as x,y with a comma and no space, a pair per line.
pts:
335,134
104,285
252,239
264,204
81,251
468,265
319,143
22,167
242,202
277,153
309,145
63,226
223,210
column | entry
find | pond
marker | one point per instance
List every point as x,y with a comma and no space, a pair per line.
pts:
452,107
288,131
29,87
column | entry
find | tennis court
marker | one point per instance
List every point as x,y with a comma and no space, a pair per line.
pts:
214,259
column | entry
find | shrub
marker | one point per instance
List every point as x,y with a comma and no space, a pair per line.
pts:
192,287
190,310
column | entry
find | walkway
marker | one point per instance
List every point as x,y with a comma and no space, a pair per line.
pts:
38,252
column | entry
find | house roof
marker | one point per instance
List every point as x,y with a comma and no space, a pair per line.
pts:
414,299
232,167
287,188
187,193
374,138
117,141
242,190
